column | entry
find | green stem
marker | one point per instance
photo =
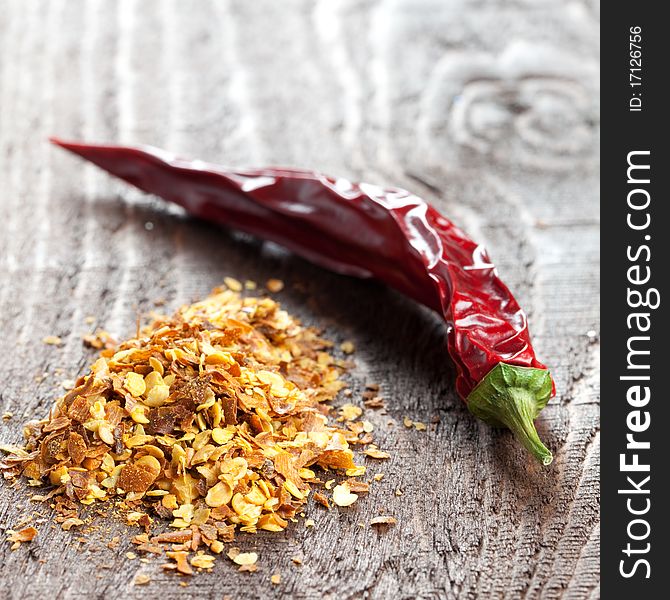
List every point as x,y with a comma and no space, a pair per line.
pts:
512,397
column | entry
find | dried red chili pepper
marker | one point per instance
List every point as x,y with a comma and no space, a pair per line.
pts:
368,231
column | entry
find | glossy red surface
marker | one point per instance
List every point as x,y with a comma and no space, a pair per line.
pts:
355,229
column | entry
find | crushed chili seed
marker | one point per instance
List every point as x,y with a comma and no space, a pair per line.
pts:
383,521
99,340
27,534
233,284
248,568
373,452
348,347
342,495
374,402
321,499
68,524
52,340
181,559
276,578
349,412
203,561
114,542
213,419
360,487
244,558
141,579
274,285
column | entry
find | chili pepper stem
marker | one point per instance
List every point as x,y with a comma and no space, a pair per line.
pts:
513,396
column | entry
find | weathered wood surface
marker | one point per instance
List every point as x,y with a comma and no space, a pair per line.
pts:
489,109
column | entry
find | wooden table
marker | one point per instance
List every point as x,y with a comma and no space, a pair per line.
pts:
487,109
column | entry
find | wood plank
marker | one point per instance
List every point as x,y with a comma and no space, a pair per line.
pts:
488,110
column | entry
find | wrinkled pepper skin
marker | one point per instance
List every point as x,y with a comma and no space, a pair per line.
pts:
365,230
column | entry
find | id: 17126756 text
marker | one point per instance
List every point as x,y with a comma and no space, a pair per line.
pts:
635,68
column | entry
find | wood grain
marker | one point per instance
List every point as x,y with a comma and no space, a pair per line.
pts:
488,109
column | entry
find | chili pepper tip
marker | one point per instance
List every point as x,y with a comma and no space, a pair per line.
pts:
513,396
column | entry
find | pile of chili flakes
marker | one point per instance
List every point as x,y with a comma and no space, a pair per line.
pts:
213,419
